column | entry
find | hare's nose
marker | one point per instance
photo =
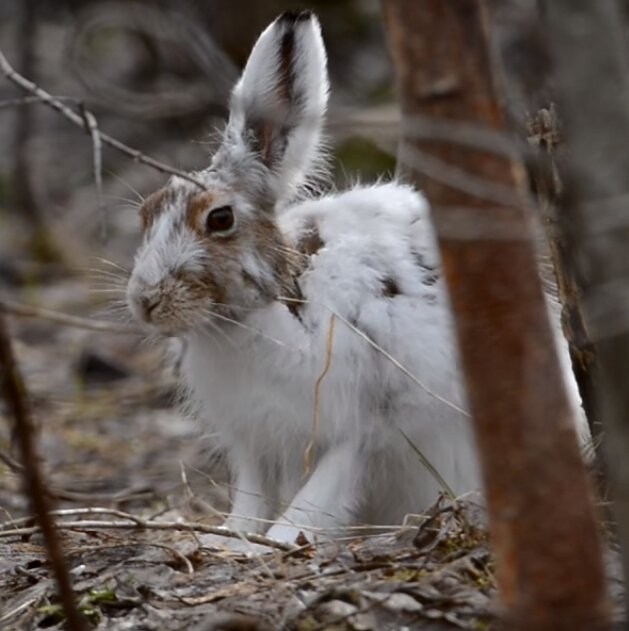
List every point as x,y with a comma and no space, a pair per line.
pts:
148,303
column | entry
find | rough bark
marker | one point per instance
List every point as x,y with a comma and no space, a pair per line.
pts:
542,518
589,54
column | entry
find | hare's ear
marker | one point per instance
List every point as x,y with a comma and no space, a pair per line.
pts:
277,107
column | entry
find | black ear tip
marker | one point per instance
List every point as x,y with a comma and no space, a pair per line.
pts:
293,17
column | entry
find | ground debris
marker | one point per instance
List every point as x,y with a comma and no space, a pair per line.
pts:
136,579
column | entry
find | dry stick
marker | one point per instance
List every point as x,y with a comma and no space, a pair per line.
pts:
12,464
14,393
19,309
92,127
29,100
134,523
545,532
80,121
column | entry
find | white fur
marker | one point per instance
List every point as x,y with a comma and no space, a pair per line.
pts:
258,390
373,293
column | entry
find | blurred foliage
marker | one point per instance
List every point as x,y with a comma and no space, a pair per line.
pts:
359,159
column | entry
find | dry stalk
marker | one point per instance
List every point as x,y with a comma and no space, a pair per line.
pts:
329,344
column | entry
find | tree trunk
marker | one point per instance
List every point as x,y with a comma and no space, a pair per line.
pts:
541,513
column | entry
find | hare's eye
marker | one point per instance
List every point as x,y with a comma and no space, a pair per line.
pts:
220,220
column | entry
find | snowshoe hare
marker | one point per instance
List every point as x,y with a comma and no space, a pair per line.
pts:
320,348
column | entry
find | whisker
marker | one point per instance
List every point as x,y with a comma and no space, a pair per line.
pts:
218,329
237,307
133,203
117,275
133,190
113,264
107,290
211,335
249,328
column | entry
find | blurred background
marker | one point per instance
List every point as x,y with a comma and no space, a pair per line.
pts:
156,75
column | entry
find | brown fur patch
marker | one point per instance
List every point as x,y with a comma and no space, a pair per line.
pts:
430,275
152,207
204,287
310,241
197,204
295,300
390,288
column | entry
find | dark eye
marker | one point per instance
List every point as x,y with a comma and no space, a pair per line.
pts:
220,220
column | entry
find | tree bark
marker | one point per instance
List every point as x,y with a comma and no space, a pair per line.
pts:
543,523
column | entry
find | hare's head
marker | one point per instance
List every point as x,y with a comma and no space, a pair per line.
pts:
216,248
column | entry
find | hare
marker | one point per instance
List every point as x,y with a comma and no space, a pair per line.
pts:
320,348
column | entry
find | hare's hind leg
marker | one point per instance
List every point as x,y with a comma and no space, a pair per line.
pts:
329,500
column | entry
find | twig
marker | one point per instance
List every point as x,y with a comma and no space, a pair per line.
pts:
5,617
92,127
79,121
14,393
18,309
76,512
28,100
132,522
12,464
431,468
176,553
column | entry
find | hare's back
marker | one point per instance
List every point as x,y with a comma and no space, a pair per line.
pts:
374,263
369,242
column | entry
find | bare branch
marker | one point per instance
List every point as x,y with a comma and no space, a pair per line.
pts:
14,393
14,465
79,121
29,100
92,126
